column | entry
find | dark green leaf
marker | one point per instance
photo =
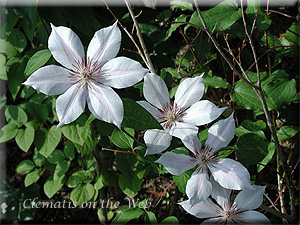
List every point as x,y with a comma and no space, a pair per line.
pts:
293,34
150,218
82,193
130,184
25,138
251,148
268,158
248,126
17,39
32,177
52,186
215,82
122,140
125,162
69,150
136,117
182,4
78,177
182,180
254,10
56,157
38,159
170,220
127,215
25,166
37,61
287,132
8,132
174,26
15,114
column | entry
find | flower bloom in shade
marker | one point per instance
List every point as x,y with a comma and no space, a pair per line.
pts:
225,212
87,80
179,118
227,172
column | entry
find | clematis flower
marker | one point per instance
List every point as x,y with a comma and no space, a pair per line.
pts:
225,212
87,80
227,172
179,119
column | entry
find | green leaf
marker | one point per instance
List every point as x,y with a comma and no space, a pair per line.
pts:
8,49
215,82
25,138
136,117
125,162
293,33
182,180
61,168
130,184
56,156
15,77
122,140
127,215
287,132
52,186
36,110
69,150
268,158
74,130
46,141
38,159
254,10
150,218
280,88
8,132
170,220
82,193
78,177
25,166
98,183
32,177
248,126
15,114
224,15
174,26
251,148
17,39
89,144
182,4
37,61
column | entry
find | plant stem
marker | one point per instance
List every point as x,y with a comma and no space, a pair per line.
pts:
139,34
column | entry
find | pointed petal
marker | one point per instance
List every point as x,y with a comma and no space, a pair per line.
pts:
105,104
121,72
220,194
250,198
194,146
252,217
50,80
189,91
151,109
71,104
176,164
218,220
105,44
202,112
155,91
157,141
198,187
184,131
65,46
204,209
220,134
230,174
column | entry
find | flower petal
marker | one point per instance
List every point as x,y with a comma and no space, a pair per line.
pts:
250,198
252,217
184,131
121,72
189,91
155,91
151,109
71,104
220,194
198,187
204,209
194,146
202,112
105,104
218,220
157,141
65,46
220,134
50,80
105,44
176,164
230,174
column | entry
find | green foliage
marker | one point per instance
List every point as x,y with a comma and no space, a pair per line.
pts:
127,215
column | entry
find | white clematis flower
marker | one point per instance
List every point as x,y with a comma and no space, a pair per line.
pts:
179,119
227,172
87,80
225,212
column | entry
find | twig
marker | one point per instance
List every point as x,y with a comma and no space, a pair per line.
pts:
163,194
139,34
273,204
283,14
113,150
127,32
275,212
136,140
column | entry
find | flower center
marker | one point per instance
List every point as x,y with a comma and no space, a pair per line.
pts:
205,157
85,71
170,114
228,213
